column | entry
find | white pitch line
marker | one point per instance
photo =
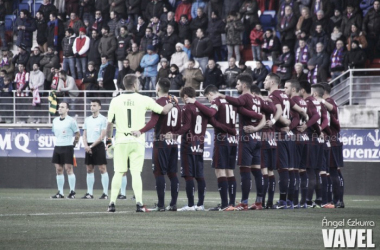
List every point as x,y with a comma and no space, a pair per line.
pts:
362,200
54,214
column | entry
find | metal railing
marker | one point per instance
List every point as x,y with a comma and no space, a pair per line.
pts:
356,86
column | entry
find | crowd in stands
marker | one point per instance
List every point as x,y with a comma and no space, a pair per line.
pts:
88,43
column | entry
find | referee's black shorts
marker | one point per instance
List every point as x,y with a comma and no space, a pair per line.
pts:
98,156
63,155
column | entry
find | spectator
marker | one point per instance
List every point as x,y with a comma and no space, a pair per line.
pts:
234,28
22,57
104,8
285,65
6,62
53,78
2,25
192,76
294,5
34,58
67,85
249,13
55,32
90,78
324,5
164,70
302,53
319,36
75,23
169,41
72,6
259,74
80,49
154,8
321,19
169,19
215,29
47,8
107,45
6,88
149,63
197,4
37,78
198,22
98,23
244,68
133,10
355,58
230,6
41,26
304,22
140,29
24,27
179,58
371,27
256,37
68,53
299,73
49,60
335,36
184,8
286,27
336,60
135,58
156,26
124,44
93,52
116,22
118,6
87,10
125,71
350,16
318,65
106,75
187,48
184,30
215,5
148,39
213,75
22,81
231,74
357,35
201,49
271,46
175,77
336,19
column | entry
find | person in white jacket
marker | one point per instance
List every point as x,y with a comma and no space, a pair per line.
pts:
36,78
180,57
80,48
67,85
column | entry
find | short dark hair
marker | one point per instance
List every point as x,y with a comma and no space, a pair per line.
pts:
275,78
105,56
3,71
129,81
149,28
245,78
97,101
189,91
294,83
164,84
306,86
191,60
67,104
106,27
327,86
319,89
63,72
209,89
255,89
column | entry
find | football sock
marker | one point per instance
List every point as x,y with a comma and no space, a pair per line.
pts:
296,187
90,183
105,182
60,183
71,179
318,186
341,185
324,187
123,187
137,185
259,183
190,191
201,190
271,189
160,188
329,189
232,190
265,187
304,186
335,180
223,191
115,186
311,186
283,183
292,183
245,183
174,188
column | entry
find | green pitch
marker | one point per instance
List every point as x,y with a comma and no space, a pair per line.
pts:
30,220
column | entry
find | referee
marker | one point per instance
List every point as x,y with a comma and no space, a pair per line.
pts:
128,112
64,128
94,131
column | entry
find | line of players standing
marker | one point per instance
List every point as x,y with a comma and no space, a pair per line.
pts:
295,131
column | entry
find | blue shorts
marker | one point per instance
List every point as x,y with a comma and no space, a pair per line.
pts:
313,153
191,164
286,149
326,157
321,156
224,156
336,157
301,155
268,158
249,152
165,160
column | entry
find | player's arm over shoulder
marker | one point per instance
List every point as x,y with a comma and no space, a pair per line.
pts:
157,108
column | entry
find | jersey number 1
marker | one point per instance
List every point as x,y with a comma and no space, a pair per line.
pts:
129,118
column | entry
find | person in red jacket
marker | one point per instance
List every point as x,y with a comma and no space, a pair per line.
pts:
256,37
184,8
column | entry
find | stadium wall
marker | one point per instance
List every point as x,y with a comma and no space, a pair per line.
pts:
361,178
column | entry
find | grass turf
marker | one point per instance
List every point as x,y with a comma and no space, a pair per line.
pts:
30,220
